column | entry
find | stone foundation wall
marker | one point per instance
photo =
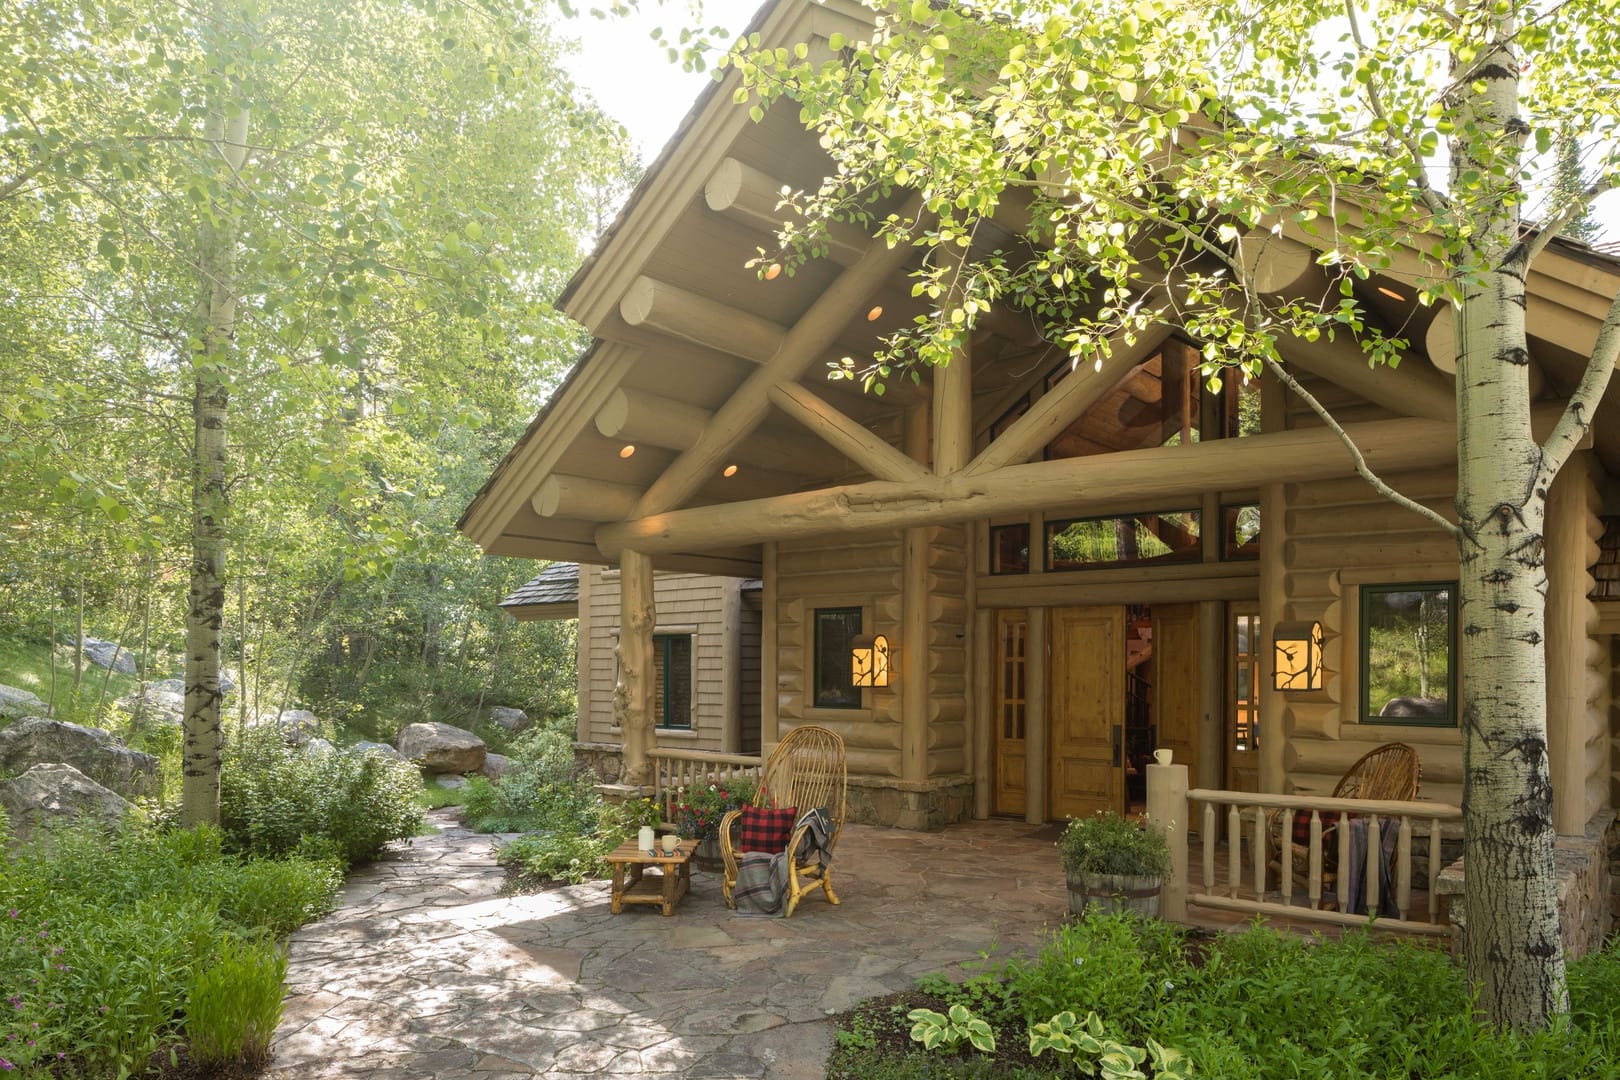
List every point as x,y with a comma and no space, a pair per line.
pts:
606,760
933,804
1586,888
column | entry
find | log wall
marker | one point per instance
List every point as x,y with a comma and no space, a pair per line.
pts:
866,570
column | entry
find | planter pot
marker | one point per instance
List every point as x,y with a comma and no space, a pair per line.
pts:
707,856
1115,893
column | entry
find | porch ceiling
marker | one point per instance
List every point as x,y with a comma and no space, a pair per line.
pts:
690,342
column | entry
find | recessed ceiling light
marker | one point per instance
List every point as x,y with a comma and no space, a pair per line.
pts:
875,314
629,449
730,470
1391,293
773,271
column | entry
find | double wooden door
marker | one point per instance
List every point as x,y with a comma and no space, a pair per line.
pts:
1086,739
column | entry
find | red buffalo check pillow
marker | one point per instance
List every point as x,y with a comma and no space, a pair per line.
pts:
766,830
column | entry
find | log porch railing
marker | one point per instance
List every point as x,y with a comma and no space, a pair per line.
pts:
1262,879
676,770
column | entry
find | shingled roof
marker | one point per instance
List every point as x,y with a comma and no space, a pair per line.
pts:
551,594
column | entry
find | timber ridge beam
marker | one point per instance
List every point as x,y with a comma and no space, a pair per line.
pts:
1116,482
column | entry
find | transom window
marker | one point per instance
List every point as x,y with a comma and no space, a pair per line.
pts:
1170,536
1408,654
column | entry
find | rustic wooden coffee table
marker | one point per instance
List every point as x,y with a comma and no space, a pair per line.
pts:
665,888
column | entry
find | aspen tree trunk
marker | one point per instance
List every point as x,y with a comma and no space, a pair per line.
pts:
1513,947
226,134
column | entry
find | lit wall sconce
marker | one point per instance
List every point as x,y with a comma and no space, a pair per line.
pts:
869,661
1297,656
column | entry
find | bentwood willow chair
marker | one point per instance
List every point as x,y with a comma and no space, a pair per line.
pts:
806,771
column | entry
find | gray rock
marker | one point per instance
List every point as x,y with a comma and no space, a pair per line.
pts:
1415,707
496,766
109,654
168,686
156,704
316,745
297,726
57,794
513,720
376,748
441,748
454,783
228,679
16,703
95,753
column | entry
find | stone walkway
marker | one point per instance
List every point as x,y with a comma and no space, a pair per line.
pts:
425,971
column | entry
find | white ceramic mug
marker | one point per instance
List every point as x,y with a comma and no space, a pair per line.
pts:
671,841
1162,756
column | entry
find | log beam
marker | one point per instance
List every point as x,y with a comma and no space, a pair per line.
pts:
843,434
1286,268
752,197
643,418
1100,484
670,309
1065,403
561,495
815,332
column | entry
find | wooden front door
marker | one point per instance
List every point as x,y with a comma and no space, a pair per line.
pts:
1176,708
1012,635
1086,705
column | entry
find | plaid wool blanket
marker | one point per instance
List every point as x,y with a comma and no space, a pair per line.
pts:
762,878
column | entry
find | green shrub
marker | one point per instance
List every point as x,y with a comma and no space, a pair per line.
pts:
234,1004
1115,965
577,853
540,791
1111,844
275,799
102,933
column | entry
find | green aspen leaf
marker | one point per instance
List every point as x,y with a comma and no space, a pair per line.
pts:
756,114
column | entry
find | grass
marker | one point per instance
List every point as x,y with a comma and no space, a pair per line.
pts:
26,664
1248,1006
435,796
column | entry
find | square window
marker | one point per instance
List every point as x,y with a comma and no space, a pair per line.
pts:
1408,654
1240,531
836,630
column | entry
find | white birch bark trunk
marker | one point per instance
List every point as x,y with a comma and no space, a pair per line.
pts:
226,133
1513,947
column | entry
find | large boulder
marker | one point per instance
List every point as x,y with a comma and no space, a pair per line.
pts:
442,748
108,654
158,703
496,766
513,720
381,748
297,726
16,703
57,794
93,752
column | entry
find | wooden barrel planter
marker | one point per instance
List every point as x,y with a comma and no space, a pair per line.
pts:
1115,894
707,857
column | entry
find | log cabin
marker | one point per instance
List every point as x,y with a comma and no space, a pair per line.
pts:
1005,586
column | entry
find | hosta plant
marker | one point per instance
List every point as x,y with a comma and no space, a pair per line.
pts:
1097,1055
940,1031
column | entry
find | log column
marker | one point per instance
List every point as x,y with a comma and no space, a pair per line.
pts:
634,694
1566,543
914,623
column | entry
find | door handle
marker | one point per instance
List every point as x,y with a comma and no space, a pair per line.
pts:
1117,736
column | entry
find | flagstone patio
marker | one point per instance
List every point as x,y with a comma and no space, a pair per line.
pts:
425,971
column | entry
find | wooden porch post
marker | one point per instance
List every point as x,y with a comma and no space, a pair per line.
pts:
582,656
1167,810
983,705
768,723
914,624
1035,718
634,694
1567,552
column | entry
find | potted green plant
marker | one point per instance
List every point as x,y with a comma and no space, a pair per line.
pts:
1114,864
699,812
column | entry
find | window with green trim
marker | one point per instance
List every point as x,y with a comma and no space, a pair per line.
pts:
835,632
1409,654
672,680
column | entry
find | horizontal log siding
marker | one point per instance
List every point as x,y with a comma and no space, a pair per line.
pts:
948,617
1336,534
684,601
845,571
